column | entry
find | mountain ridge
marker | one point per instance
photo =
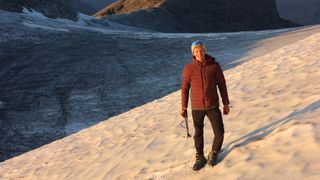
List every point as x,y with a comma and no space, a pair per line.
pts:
196,17
49,8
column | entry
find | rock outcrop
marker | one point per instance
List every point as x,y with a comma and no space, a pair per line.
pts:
127,6
49,8
82,6
304,12
316,17
99,4
196,16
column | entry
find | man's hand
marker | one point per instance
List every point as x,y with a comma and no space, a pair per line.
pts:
184,113
226,109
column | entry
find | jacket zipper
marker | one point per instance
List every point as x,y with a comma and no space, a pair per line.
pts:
203,99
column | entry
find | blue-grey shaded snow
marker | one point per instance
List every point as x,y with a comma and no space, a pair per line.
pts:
58,76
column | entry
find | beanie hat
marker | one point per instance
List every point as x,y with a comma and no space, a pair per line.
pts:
197,43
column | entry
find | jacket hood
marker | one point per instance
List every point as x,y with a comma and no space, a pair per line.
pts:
208,59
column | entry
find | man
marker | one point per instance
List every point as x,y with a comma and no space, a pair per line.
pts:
203,76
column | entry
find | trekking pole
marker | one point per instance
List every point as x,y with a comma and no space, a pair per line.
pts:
186,120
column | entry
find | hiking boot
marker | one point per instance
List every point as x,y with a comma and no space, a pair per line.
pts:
200,162
212,158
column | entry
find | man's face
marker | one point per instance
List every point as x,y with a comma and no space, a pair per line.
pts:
199,53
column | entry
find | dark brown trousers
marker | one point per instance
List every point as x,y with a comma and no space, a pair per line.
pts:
215,118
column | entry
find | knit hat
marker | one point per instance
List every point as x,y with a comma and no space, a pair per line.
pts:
197,43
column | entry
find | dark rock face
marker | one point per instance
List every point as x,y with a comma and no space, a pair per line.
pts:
197,16
99,4
82,6
304,12
316,17
49,8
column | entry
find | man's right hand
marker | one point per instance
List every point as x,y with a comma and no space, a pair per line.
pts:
184,113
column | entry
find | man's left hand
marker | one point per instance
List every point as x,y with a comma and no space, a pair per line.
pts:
226,109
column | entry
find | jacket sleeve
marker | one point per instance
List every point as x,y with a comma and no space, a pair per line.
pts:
185,86
222,86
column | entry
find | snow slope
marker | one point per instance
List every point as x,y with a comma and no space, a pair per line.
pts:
273,131
43,101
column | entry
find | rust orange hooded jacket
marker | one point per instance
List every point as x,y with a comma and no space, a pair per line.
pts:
203,78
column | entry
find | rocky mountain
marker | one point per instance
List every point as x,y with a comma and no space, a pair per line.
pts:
127,6
304,12
196,16
316,17
49,8
98,4
82,6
